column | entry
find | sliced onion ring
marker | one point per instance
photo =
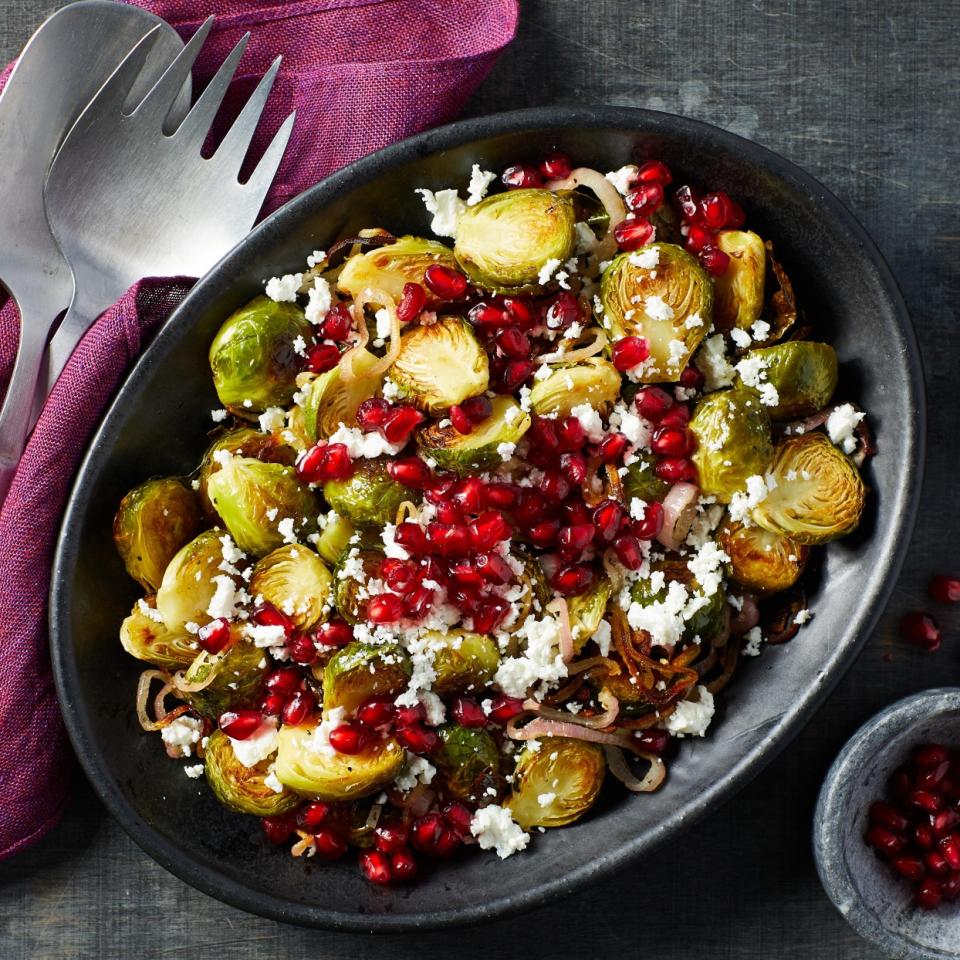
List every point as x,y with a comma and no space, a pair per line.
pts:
621,770
679,512
371,296
607,194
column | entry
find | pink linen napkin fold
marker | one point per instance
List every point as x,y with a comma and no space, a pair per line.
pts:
360,74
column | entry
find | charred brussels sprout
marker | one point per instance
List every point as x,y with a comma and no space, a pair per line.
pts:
469,763
335,538
480,449
641,481
819,493
144,636
463,661
804,374
256,500
326,402
370,497
153,522
352,573
360,671
294,579
658,292
243,789
594,381
187,586
253,357
440,365
315,770
238,674
732,429
391,266
738,291
586,611
504,241
557,784
761,561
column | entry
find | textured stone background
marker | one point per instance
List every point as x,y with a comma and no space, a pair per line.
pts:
864,96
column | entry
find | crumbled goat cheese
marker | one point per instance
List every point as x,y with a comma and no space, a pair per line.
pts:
259,745
760,330
183,732
541,661
624,178
359,445
299,346
382,317
512,414
318,256
753,372
637,430
417,770
446,208
264,635
740,337
841,425
691,718
194,772
319,740
319,301
495,829
711,361
545,799
602,637
224,600
678,353
802,617
548,270
663,619
480,181
281,289
754,638
272,419
218,416
390,390
150,612
693,321
285,529
505,450
645,259
589,420
742,502
656,308
707,567
272,781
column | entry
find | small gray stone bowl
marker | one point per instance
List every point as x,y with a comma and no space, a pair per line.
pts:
876,903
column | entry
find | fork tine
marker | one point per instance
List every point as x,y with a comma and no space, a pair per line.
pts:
266,169
112,96
234,147
200,118
160,97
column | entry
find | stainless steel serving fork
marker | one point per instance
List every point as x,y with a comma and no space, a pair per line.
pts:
129,195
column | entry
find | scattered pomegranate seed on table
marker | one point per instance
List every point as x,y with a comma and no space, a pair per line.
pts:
945,589
921,630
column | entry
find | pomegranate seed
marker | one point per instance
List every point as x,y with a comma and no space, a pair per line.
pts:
468,495
698,238
400,423
950,848
334,633
278,829
909,866
573,540
309,467
554,486
448,539
313,815
608,517
376,712
493,568
448,512
676,470
477,409
688,201
391,836
445,282
654,171
545,533
884,841
671,441
652,403
714,260
612,447
323,462
488,315
463,571
426,831
411,472
322,357
520,311
628,552
629,351
489,529
409,716
574,467
330,845
929,895
418,739
900,783
715,210
487,619
419,603
691,377
633,233
412,301
240,724
461,422
215,635
646,198
570,434
556,166
923,836
297,709
651,524
458,816
937,863
385,608
468,713
338,323
516,374
446,843
514,343
930,779
272,704
520,176
349,738
373,413
922,630
285,681
411,537
502,495
504,708
925,800
678,416
653,740
302,648
400,576
886,816
563,312
403,865
573,579
544,433
944,821
945,589
375,866
576,511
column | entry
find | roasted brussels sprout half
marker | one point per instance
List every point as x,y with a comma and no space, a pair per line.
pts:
391,266
238,674
326,402
462,661
483,447
258,501
658,292
144,636
804,374
370,497
732,430
293,579
352,573
469,764
253,359
504,241
761,561
360,671
819,493
321,773
641,481
707,622
738,291
594,381
557,783
187,586
154,520
586,611
440,365
335,538
243,789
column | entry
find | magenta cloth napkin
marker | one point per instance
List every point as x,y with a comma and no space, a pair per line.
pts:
361,74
